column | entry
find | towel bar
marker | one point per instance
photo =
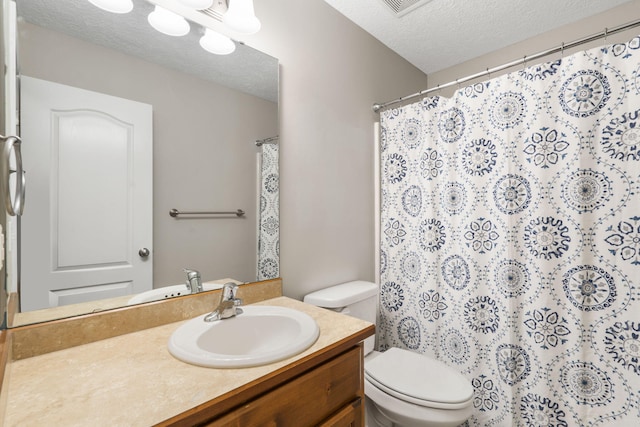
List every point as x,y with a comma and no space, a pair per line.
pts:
175,212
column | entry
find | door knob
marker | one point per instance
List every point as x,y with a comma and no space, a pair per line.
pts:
144,252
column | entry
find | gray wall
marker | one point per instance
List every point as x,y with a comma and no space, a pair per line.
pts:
204,156
614,17
331,74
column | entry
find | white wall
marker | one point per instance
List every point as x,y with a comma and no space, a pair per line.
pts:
332,72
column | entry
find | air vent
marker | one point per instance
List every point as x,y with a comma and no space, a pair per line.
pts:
402,7
217,10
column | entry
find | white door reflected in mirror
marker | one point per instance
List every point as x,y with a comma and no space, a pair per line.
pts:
88,248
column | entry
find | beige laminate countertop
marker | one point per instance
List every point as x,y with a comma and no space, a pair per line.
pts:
132,380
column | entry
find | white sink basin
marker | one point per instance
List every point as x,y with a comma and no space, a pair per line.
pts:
168,292
258,336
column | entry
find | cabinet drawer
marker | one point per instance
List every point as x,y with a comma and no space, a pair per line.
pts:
306,400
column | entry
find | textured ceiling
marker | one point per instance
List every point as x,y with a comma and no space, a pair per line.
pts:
246,69
443,33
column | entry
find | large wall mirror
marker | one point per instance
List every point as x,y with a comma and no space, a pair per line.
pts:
121,124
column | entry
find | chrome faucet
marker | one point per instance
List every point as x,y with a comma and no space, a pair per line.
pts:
228,306
193,280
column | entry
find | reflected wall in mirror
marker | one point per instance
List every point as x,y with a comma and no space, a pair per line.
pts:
201,113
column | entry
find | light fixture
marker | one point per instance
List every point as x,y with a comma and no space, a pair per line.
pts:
114,6
241,17
197,4
168,22
237,15
217,43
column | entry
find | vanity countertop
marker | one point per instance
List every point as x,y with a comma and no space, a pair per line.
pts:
132,380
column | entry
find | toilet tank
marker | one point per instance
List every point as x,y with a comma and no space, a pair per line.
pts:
358,299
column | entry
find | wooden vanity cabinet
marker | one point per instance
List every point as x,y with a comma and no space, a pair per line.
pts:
327,394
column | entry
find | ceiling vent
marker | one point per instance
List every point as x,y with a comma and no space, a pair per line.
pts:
217,10
402,7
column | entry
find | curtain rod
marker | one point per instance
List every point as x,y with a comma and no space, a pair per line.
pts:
272,140
607,32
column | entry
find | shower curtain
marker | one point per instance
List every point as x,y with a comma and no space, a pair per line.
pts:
510,239
269,222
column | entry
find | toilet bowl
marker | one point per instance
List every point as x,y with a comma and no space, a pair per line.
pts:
402,388
407,389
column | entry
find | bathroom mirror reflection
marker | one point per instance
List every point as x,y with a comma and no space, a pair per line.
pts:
93,85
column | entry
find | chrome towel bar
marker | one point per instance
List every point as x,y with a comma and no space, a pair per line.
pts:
175,212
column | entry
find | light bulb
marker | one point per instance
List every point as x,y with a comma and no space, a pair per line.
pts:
241,17
197,4
217,43
114,6
168,22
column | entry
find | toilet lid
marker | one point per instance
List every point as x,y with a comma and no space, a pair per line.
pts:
419,379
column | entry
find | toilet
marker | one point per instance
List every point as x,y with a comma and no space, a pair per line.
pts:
402,388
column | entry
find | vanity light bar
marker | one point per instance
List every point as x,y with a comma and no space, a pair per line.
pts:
237,15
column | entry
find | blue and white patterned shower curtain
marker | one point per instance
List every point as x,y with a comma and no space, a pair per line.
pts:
269,233
511,239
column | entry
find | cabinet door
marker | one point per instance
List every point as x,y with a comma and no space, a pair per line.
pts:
306,400
349,416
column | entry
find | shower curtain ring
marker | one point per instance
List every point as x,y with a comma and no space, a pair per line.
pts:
606,34
562,50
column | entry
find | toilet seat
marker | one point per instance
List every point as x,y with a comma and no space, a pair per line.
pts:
419,379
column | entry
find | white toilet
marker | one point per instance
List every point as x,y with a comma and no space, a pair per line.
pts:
402,388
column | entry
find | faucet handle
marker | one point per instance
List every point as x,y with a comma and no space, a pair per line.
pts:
191,273
228,306
193,280
229,290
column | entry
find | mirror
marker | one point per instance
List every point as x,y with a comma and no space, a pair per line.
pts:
204,114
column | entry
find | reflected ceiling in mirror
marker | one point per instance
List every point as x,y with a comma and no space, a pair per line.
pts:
246,69
208,110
